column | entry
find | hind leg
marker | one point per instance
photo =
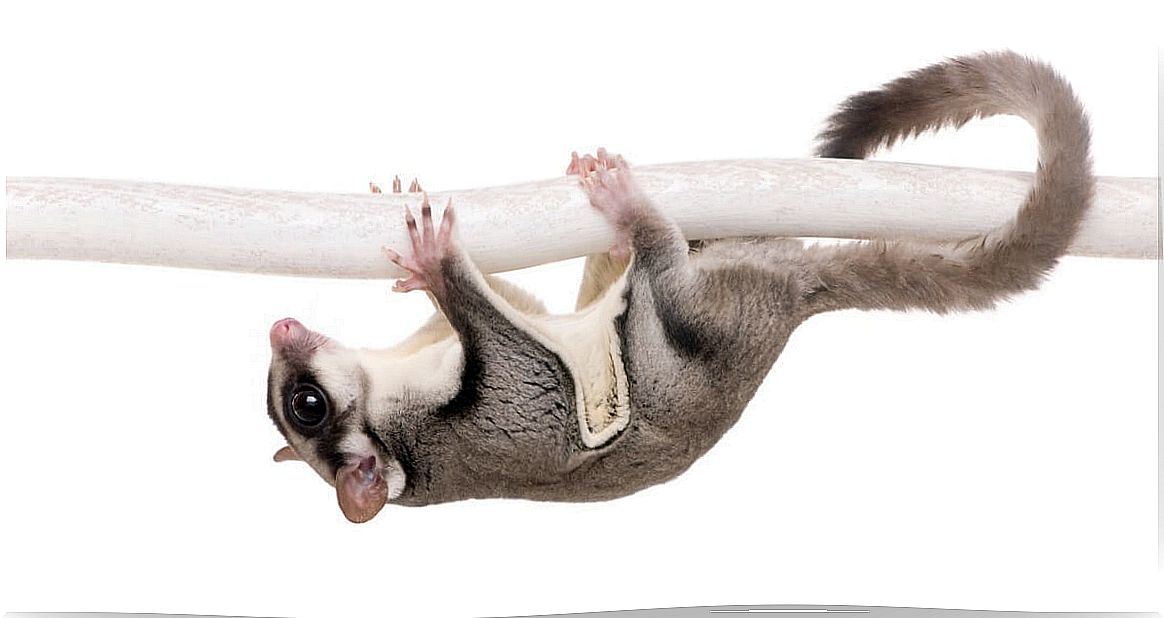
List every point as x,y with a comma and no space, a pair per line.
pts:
665,286
656,241
732,302
601,270
700,332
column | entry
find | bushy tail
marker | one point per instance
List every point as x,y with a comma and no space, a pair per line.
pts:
1013,258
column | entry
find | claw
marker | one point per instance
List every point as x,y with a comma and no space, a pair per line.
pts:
426,220
415,186
413,234
423,265
447,220
392,255
374,188
396,184
587,164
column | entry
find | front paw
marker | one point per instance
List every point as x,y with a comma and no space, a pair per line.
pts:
429,249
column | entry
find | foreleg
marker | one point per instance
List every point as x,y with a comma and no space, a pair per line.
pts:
500,351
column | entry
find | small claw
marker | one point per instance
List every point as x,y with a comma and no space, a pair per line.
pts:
413,234
396,184
426,220
448,217
414,187
374,188
572,168
403,262
391,254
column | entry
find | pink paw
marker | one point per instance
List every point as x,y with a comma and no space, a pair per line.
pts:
612,191
429,248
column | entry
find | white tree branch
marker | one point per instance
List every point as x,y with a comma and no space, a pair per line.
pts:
504,228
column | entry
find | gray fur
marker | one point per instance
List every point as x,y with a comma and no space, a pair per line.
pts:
704,324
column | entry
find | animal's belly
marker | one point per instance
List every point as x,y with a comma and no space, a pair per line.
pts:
589,344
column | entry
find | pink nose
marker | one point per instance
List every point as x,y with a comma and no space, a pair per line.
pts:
285,331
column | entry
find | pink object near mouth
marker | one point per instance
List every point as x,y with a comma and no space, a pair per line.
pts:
361,490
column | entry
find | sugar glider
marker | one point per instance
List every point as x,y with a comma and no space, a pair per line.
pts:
495,398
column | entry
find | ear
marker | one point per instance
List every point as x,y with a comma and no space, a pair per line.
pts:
361,490
287,454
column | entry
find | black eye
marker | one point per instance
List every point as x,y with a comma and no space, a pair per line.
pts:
307,405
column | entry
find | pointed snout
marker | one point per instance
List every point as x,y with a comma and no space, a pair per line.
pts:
286,331
289,336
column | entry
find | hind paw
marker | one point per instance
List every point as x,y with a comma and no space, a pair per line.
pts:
612,191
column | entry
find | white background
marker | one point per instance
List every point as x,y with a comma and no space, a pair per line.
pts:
1002,460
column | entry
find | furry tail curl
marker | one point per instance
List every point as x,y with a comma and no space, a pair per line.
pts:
972,274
